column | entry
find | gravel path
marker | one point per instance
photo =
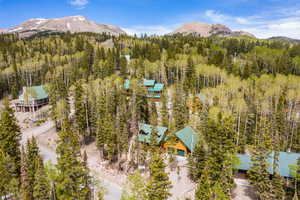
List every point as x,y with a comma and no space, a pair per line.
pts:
46,136
243,190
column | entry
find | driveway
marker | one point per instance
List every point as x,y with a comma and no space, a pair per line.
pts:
114,191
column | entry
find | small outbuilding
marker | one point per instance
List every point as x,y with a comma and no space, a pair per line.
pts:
32,98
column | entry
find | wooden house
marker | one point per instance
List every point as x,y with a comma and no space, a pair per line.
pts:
146,130
155,92
153,89
285,161
32,98
147,83
185,142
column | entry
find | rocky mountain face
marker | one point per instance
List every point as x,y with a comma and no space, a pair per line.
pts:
73,24
206,30
2,30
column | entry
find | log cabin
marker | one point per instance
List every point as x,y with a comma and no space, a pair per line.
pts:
31,99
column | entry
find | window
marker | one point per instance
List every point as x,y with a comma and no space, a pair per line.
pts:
171,150
180,152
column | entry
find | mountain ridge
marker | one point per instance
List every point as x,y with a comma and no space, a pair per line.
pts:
283,38
73,24
206,30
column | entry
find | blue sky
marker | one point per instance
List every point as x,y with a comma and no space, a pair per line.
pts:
264,18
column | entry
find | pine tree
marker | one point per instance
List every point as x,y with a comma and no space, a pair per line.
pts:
42,189
8,182
220,136
277,181
100,135
31,157
25,185
111,137
180,111
80,116
259,174
204,187
190,76
158,185
164,110
10,136
123,66
135,187
218,158
87,179
218,192
197,162
72,173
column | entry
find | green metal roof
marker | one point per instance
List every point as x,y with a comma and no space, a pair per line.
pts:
188,137
285,160
145,131
35,92
148,82
154,96
158,87
127,84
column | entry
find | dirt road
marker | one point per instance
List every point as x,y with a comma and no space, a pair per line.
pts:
45,133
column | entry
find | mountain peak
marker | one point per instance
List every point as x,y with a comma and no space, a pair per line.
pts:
73,24
206,30
76,17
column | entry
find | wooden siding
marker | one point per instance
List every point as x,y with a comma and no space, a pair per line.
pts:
176,145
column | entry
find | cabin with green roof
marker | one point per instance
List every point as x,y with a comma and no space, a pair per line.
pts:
284,162
32,98
148,83
185,142
153,89
146,130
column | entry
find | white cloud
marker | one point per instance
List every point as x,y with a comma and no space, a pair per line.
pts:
79,3
286,27
215,17
272,22
278,22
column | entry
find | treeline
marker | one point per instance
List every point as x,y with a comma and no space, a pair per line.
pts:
32,61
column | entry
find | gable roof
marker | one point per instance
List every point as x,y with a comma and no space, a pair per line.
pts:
188,137
148,82
35,92
285,160
154,96
147,131
157,87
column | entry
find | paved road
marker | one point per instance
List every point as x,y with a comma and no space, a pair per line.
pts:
114,191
